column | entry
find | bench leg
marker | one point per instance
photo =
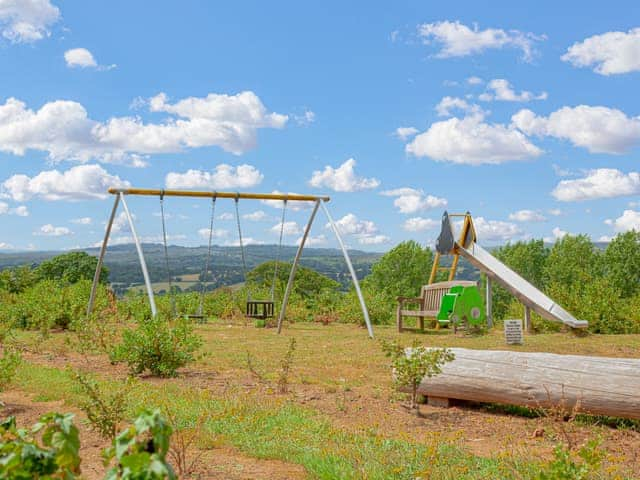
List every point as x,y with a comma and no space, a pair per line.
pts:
399,319
421,323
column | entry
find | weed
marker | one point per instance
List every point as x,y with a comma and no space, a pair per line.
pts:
285,367
566,467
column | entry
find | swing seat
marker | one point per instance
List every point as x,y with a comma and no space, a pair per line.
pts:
259,309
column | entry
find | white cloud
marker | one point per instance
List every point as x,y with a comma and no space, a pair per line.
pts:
82,221
458,40
599,183
495,230
289,228
527,216
126,239
226,216
295,205
256,216
121,223
365,231
447,104
411,200
24,21
49,230
404,133
373,239
605,238
245,241
629,220
501,90
83,182
598,129
317,241
342,179
474,80
560,171
217,233
306,118
79,57
64,130
20,211
556,234
556,212
419,224
222,177
472,141
6,246
609,53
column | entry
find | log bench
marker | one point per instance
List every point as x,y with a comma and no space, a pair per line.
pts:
428,303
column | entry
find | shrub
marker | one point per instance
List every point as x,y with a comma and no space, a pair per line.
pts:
9,363
285,367
140,451
104,404
565,467
410,367
158,345
55,455
381,307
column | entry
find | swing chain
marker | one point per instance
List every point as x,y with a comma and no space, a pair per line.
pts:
278,252
244,261
208,262
172,299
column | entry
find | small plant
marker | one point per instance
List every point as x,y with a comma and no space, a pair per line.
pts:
251,366
410,366
159,346
140,451
104,405
54,456
566,467
9,363
285,367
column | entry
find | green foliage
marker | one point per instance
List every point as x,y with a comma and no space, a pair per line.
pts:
71,268
140,451
381,307
622,263
9,363
105,405
308,283
16,280
158,345
565,467
410,366
285,367
55,455
573,261
402,270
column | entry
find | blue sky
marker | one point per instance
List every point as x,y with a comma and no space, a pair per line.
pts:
524,114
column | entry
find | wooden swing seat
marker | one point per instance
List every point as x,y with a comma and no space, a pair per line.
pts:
260,309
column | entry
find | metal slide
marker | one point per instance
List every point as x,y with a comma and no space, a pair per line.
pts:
526,293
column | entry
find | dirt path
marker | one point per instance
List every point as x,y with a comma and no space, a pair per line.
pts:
216,464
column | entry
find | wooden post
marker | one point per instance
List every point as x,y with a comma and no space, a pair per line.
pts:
527,319
489,301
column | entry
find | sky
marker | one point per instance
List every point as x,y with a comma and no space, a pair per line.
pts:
525,114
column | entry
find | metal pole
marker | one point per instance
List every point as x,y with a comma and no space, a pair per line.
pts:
489,301
365,312
143,264
103,250
294,267
527,319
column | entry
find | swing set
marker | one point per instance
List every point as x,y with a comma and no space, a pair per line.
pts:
257,309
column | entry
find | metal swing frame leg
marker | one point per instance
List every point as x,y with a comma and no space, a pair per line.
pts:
103,249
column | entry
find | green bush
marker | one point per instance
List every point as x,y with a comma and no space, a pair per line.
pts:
158,345
9,363
381,307
55,455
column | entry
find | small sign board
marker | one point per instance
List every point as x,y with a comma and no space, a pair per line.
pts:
513,332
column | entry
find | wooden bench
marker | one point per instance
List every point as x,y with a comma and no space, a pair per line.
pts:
428,303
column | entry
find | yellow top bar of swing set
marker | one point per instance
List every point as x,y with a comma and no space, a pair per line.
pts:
233,195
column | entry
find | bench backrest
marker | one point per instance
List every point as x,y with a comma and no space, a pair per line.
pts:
432,294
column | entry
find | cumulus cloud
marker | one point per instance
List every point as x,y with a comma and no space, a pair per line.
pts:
342,179
20,211
6,246
474,80
629,220
64,130
83,182
495,230
556,212
598,183
305,118
217,233
294,205
458,40
404,133
49,230
288,228
25,21
365,231
411,200
82,221
472,141
419,224
500,89
245,241
556,234
448,104
222,177
226,216
314,241
83,58
609,53
598,129
256,216
527,216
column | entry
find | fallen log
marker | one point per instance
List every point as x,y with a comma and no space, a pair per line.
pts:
598,385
